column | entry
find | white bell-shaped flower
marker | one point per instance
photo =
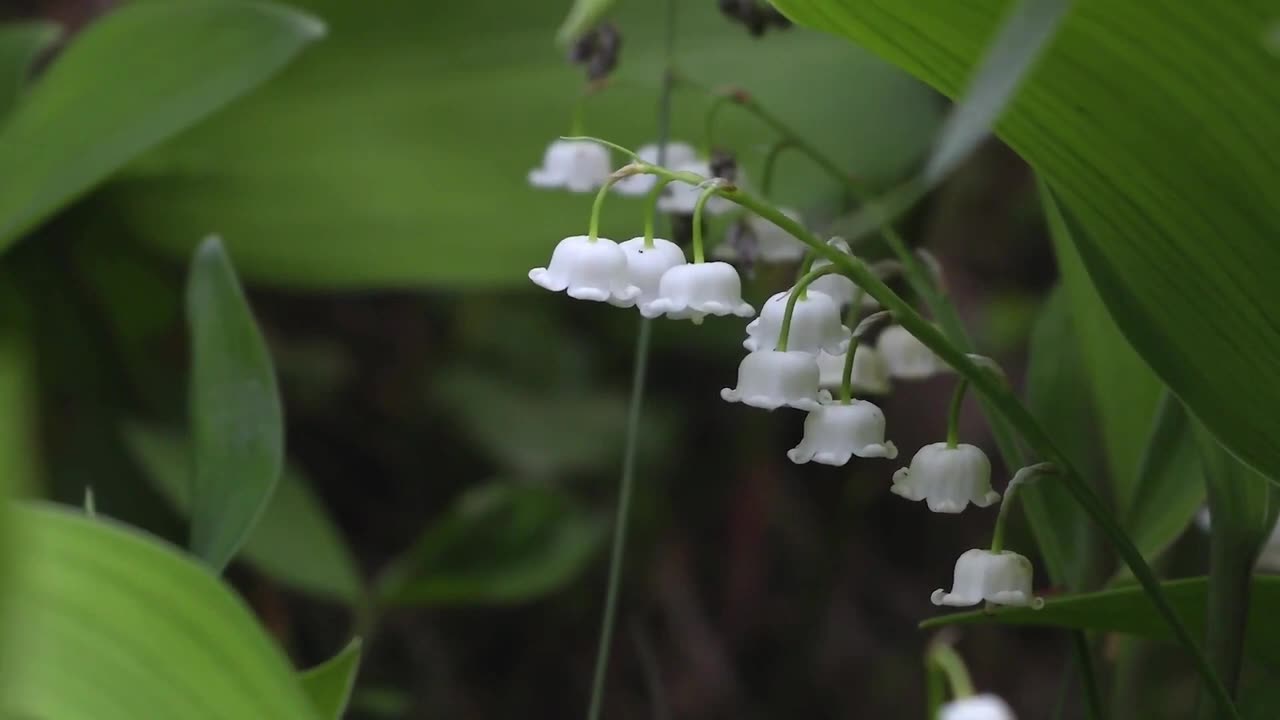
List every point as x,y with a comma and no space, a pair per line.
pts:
976,707
772,243
677,154
588,270
947,478
576,165
837,286
870,374
815,325
770,379
696,290
647,265
1003,578
836,432
906,356
681,197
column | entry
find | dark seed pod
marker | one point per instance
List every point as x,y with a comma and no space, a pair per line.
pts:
599,50
724,165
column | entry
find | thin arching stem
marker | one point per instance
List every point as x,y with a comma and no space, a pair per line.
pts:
945,658
953,414
710,191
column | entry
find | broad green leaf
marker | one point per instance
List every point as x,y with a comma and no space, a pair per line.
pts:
1128,610
295,540
387,156
107,623
20,44
1170,481
329,684
1154,123
500,543
18,421
1055,376
582,15
1011,54
128,82
235,409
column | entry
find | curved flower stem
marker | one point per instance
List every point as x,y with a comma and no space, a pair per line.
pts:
846,377
798,293
770,162
945,658
593,230
953,414
712,189
1022,477
1007,406
709,135
651,209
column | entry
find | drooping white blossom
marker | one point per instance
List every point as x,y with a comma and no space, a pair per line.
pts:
837,286
1001,578
947,478
647,265
771,379
678,154
695,290
588,269
815,325
907,357
681,197
836,432
870,374
575,165
976,707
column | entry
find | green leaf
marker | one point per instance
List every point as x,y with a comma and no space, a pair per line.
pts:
1175,237
329,684
295,540
235,409
500,543
107,623
1128,610
1055,375
430,175
1006,62
582,16
1170,486
20,44
128,82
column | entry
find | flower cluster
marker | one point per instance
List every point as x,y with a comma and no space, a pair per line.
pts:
801,350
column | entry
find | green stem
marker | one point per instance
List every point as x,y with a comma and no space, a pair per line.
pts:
945,658
651,209
593,230
953,414
709,136
846,378
1022,477
770,162
706,195
798,293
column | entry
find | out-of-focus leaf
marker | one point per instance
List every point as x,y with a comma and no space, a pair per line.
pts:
107,623
581,17
1125,391
1128,610
235,409
329,684
128,82
1177,236
1006,62
388,155
295,540
500,543
1170,481
18,447
1055,376
20,44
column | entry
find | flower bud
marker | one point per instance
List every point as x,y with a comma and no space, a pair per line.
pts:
947,478
1002,578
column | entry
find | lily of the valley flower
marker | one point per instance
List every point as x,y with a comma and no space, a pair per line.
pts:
815,325
647,265
693,291
772,243
870,374
588,270
681,197
976,707
838,286
677,154
770,379
576,165
947,478
1002,578
836,432
906,356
